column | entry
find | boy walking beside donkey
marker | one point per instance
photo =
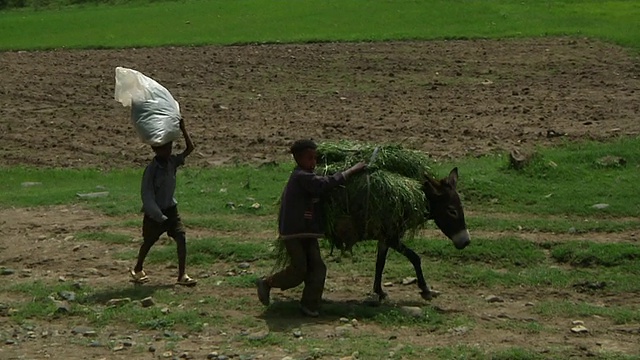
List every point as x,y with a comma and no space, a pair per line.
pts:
300,225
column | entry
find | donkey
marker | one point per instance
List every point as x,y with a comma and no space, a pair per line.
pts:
444,208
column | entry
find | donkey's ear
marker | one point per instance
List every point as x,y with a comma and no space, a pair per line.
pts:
431,187
452,179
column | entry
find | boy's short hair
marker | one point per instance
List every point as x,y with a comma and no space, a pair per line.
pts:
301,145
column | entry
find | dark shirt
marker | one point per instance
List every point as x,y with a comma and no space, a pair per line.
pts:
159,185
301,213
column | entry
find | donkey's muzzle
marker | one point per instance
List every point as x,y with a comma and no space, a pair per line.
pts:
461,239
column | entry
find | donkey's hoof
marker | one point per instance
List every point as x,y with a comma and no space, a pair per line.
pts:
374,299
430,294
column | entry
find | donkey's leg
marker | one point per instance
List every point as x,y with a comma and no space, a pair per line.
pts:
381,259
426,292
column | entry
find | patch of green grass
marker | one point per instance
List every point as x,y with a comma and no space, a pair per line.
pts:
559,225
487,184
619,314
143,23
103,236
516,353
234,222
589,254
501,252
206,251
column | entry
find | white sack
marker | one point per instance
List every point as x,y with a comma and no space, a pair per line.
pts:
154,112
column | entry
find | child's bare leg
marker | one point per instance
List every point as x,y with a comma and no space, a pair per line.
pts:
181,242
142,254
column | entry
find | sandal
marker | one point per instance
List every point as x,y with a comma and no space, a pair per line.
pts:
138,277
185,280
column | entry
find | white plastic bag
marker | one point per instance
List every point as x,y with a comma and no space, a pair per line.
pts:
154,112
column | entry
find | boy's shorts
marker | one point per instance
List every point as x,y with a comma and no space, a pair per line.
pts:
151,229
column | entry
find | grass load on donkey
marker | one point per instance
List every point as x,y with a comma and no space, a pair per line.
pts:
396,196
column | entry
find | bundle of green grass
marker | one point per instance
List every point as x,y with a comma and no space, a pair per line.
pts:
387,200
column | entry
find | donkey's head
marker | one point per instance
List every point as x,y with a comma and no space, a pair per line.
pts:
445,208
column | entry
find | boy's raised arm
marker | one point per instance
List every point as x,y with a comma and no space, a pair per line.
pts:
187,140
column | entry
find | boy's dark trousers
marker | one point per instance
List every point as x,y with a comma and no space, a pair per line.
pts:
306,266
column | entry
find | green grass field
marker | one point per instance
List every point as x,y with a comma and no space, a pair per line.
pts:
250,21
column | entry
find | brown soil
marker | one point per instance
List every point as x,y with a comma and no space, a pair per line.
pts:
247,103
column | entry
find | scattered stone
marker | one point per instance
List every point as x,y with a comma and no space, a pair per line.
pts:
572,230
580,329
62,278
167,354
409,280
519,160
77,285
393,337
95,343
67,295
223,357
388,284
128,343
258,335
343,330
494,299
354,322
529,304
212,355
148,301
246,357
584,286
119,347
344,320
118,302
76,248
577,322
611,161
7,271
30,183
25,273
413,311
9,342
297,333
4,310
185,355
627,329
69,238
93,195
62,307
244,265
600,206
164,311
152,349
287,358
44,334
82,330
460,330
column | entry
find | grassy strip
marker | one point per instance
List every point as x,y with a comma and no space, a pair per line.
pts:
198,22
486,184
